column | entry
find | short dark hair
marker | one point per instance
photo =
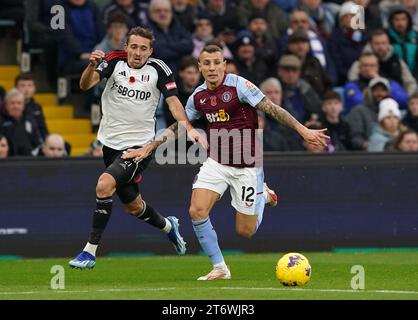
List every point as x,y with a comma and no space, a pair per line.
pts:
413,96
117,16
377,33
188,61
211,48
331,95
24,77
142,32
400,137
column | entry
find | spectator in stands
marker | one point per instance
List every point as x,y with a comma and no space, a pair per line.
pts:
299,20
185,13
135,11
5,148
223,15
187,82
369,69
315,125
412,7
203,34
388,127
83,31
249,66
21,129
276,18
321,17
403,37
25,83
286,5
390,65
384,6
231,67
333,120
299,98
53,147
275,136
364,116
346,43
265,44
312,71
411,118
117,28
95,150
407,141
172,40
40,35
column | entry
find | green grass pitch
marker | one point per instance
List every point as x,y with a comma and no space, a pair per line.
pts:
388,275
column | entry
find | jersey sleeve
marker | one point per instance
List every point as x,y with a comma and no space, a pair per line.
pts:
166,82
106,67
248,92
191,112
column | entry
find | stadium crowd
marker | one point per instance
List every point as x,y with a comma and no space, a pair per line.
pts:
331,64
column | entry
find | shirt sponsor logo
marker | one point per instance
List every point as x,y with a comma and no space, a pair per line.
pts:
170,85
220,116
131,93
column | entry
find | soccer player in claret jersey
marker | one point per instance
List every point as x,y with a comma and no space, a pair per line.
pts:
135,82
229,103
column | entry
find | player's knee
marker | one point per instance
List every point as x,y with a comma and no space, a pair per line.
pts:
245,231
134,209
197,213
105,187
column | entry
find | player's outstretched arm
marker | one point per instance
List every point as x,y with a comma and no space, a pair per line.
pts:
90,77
314,137
177,110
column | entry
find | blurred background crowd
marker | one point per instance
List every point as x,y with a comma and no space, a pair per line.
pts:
348,66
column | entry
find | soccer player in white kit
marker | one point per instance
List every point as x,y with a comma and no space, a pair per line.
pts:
135,83
229,103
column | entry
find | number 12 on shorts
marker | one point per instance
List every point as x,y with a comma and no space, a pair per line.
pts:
247,194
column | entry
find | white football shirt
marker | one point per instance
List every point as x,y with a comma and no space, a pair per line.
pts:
130,99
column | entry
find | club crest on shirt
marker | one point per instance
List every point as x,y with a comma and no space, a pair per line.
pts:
102,66
226,96
145,78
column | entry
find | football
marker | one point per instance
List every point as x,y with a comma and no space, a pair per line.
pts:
293,269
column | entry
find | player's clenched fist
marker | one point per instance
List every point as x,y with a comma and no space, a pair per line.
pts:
95,56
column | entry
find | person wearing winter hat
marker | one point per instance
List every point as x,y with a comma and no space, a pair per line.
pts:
388,127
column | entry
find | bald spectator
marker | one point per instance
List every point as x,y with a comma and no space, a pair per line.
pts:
275,17
53,147
172,40
20,128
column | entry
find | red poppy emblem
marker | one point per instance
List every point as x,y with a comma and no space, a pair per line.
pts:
131,79
213,101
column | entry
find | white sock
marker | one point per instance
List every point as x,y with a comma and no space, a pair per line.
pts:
167,227
220,265
91,248
266,196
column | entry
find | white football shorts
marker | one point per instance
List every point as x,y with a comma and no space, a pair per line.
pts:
246,185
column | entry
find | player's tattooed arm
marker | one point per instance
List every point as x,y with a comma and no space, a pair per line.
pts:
314,137
278,113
